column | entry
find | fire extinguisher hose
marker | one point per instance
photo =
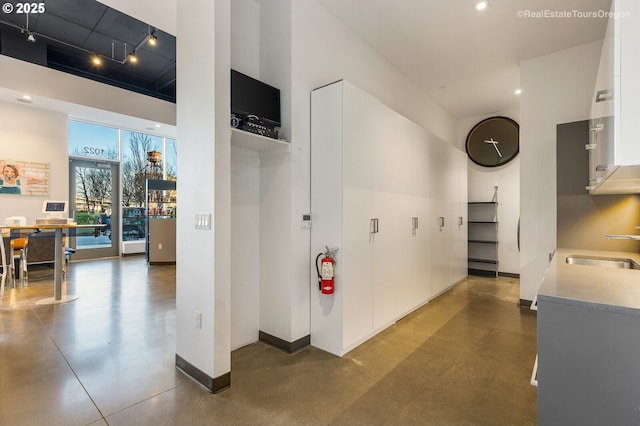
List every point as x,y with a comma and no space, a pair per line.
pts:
318,272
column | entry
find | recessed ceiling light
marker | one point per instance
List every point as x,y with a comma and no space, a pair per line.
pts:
482,5
158,125
96,60
518,91
26,99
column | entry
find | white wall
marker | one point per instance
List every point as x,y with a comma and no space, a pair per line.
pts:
32,134
556,88
245,37
481,182
245,246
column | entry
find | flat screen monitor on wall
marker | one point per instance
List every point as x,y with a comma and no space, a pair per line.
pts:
252,97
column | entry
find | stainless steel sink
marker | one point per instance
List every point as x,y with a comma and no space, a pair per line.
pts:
605,262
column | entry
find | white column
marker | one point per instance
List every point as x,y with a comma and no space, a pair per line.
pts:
204,137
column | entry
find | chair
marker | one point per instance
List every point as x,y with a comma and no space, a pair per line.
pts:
40,250
12,252
4,267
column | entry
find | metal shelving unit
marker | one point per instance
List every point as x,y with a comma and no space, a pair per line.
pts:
483,238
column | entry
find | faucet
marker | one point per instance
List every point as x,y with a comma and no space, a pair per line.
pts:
622,237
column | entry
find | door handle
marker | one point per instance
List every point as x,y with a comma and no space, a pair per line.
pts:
373,226
441,219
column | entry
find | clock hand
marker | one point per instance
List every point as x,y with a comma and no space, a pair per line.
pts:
495,145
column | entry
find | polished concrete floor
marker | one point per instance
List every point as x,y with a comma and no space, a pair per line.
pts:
108,358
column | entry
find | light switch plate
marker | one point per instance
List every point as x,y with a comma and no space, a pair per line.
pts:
203,221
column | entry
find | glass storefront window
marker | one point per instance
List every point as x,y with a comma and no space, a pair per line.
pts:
141,156
93,140
136,167
172,160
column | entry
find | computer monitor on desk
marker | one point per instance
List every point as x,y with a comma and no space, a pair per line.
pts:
55,213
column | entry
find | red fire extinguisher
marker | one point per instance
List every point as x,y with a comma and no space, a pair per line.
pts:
326,271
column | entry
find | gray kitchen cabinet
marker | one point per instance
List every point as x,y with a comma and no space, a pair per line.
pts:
587,364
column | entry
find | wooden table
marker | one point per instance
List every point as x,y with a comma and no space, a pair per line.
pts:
58,297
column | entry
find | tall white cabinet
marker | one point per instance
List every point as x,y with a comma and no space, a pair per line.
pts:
374,170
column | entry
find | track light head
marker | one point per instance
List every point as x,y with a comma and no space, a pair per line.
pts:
153,40
132,57
31,37
96,60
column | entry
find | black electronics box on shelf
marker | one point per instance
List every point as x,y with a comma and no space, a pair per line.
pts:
255,106
254,124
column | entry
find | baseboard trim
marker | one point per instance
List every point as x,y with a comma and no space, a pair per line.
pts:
482,273
213,385
279,343
508,275
524,303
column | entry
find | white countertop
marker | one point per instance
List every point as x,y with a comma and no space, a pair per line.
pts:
592,286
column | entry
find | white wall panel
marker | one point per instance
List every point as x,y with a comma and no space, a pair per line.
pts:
245,246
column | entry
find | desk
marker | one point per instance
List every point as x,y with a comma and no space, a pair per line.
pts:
57,264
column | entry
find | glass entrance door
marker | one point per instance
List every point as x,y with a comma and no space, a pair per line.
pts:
94,199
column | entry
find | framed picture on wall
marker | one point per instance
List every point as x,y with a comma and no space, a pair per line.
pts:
24,178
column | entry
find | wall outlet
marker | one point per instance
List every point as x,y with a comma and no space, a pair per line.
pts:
198,319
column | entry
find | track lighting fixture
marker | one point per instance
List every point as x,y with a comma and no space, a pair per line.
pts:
117,55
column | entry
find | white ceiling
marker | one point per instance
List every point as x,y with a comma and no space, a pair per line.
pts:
468,61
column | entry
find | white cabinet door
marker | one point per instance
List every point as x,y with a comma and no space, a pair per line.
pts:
388,258
415,277
459,266
451,195
438,223
411,153
628,94
358,267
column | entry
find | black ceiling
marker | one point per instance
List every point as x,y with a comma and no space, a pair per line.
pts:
69,31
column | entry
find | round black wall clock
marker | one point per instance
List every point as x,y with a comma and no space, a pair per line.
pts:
494,141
